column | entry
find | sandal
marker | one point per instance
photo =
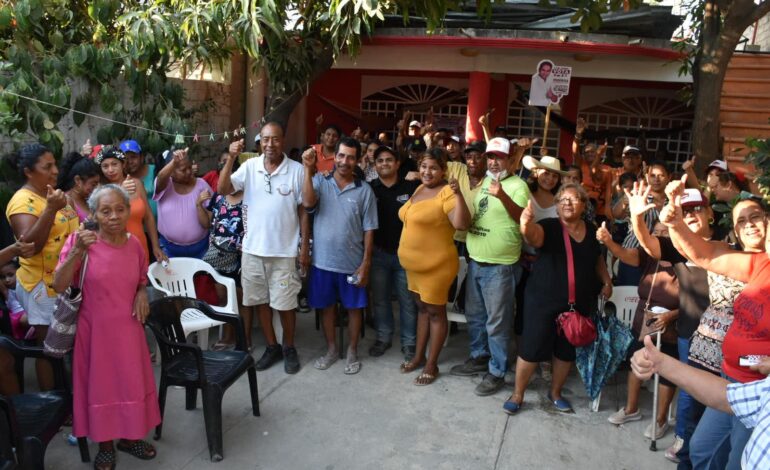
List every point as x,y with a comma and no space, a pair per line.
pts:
352,368
426,378
410,366
139,449
220,346
105,460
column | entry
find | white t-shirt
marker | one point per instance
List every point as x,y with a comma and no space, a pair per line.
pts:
270,201
538,90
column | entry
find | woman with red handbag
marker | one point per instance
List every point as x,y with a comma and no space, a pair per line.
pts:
557,287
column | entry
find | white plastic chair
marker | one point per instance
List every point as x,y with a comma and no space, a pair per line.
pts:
453,310
177,279
625,298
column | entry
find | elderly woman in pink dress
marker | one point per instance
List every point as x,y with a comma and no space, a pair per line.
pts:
113,384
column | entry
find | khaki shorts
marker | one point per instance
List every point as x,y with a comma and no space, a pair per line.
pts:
268,280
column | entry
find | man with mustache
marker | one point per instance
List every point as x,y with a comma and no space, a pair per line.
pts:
345,218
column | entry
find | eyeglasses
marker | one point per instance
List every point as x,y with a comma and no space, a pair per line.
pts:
268,187
692,210
568,201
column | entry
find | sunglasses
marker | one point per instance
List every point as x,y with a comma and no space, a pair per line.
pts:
692,210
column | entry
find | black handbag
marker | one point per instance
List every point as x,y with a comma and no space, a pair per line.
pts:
60,338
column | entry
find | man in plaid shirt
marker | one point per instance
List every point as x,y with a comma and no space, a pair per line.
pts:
749,402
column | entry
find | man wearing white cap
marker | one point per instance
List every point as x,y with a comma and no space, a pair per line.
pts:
494,246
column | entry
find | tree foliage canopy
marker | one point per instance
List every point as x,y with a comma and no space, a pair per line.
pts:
76,53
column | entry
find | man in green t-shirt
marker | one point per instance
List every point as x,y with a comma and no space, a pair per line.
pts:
494,245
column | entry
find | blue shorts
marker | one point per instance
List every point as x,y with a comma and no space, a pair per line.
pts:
172,250
326,288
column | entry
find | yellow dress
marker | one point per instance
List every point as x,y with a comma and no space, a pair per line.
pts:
427,251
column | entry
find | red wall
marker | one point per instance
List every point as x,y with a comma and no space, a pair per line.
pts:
344,88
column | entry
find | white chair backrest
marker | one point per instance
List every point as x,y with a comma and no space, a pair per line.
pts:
625,298
177,279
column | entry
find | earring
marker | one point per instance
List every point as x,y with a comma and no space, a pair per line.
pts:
711,221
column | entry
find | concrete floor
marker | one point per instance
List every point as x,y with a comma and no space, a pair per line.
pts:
379,420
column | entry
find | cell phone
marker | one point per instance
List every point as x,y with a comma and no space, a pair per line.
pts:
751,360
90,224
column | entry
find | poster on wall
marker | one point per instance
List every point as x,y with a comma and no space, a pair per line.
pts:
549,83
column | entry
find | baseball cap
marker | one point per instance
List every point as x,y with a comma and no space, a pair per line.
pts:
631,149
693,197
455,138
416,143
477,146
720,164
499,146
415,124
130,146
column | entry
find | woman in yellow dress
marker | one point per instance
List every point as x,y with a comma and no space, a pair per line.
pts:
428,254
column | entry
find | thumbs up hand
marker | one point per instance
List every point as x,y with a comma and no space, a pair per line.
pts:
87,148
646,361
603,235
129,184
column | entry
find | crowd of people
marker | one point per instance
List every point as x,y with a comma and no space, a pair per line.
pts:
354,222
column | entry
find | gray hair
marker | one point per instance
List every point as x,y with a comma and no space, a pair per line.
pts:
96,196
582,194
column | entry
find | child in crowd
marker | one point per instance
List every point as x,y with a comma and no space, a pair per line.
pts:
19,326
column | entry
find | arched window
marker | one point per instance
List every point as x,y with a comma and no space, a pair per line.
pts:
647,112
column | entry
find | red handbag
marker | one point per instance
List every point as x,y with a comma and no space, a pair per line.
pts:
578,329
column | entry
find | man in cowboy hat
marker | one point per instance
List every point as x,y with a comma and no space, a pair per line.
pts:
494,246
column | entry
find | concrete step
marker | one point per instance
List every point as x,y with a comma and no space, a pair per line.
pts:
743,130
743,114
746,85
759,101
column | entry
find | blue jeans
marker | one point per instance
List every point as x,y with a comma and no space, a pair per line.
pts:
718,441
385,277
172,250
489,309
685,401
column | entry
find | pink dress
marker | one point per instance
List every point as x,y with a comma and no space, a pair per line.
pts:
113,384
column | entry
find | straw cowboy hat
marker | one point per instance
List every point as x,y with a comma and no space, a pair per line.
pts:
547,163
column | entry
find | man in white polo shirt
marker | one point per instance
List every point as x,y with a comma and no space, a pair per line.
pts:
273,221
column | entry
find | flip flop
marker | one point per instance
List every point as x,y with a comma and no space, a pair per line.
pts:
425,379
352,368
324,362
410,366
220,346
140,449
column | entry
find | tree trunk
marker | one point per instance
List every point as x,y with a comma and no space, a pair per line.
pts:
280,105
719,38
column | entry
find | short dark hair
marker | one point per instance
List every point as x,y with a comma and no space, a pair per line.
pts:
626,177
334,127
727,177
385,149
348,142
276,124
659,164
542,63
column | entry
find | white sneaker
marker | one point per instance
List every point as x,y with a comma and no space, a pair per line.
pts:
621,417
661,431
675,447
